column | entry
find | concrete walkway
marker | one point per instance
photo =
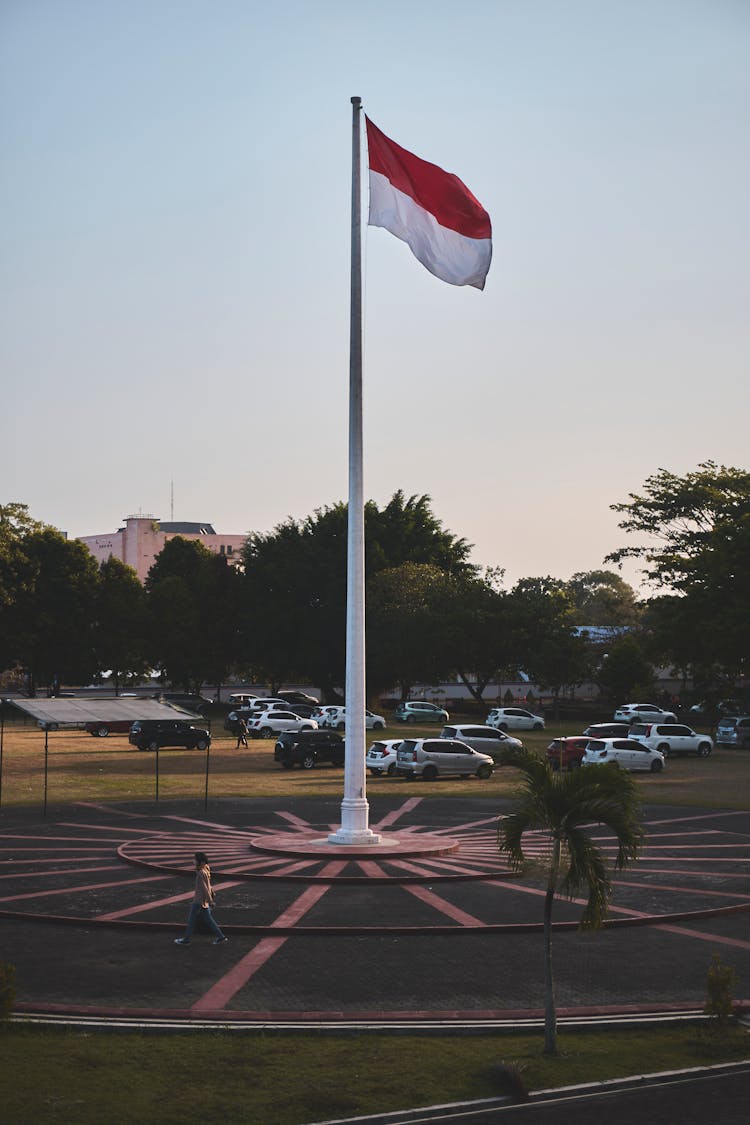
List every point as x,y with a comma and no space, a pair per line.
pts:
436,931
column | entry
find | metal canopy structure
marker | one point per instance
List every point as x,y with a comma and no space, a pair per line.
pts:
53,713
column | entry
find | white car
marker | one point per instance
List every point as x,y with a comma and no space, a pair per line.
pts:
335,718
643,713
274,722
672,738
381,757
627,753
514,718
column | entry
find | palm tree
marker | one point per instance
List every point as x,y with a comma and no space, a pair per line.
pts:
564,805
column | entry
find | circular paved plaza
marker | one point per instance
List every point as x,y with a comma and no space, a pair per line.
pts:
431,926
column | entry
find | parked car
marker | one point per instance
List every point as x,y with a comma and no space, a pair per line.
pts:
514,718
381,756
267,704
608,730
624,752
273,722
304,710
307,748
672,738
567,753
643,713
196,704
153,734
486,740
242,699
734,730
335,717
430,758
232,721
104,727
419,711
320,713
298,697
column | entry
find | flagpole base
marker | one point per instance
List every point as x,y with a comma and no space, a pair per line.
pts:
354,829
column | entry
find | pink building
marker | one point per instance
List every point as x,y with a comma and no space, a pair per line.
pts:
143,537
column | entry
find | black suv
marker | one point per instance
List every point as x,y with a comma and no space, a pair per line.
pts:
308,747
152,734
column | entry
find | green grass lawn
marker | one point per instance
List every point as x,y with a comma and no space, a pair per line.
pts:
108,769
57,1076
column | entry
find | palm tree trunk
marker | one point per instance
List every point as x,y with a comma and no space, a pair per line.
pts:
550,1013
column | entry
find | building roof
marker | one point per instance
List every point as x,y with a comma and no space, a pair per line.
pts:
184,528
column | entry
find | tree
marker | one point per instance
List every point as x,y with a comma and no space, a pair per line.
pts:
565,805
549,650
602,597
479,629
295,583
51,620
194,610
120,637
406,637
624,672
697,529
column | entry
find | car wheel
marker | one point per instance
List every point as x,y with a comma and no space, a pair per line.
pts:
538,726
429,773
153,745
376,773
202,744
411,718
663,747
102,731
704,750
340,726
266,732
287,764
503,727
378,726
484,772
657,766
391,769
308,762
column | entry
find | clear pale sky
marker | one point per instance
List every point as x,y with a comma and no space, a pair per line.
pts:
175,228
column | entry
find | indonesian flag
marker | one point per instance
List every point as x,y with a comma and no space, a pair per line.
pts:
446,228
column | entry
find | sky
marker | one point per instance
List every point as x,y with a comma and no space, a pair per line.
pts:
175,195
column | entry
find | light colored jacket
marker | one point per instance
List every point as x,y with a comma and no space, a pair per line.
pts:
203,891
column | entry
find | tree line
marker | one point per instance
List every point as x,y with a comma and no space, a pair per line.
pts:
431,613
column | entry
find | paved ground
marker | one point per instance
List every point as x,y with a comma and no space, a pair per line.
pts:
92,896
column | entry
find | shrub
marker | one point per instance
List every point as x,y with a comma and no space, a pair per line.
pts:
7,989
720,984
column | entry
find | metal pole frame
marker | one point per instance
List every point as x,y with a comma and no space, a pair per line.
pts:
354,808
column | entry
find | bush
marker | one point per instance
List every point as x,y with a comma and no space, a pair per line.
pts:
720,984
7,989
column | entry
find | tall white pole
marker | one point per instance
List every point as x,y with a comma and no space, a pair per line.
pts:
354,808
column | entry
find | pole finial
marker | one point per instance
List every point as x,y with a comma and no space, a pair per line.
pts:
357,102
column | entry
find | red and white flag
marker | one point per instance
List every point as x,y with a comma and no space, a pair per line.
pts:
433,211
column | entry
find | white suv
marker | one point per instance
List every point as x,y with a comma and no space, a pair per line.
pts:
643,713
514,718
671,738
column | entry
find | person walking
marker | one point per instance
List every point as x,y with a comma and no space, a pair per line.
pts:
241,733
203,900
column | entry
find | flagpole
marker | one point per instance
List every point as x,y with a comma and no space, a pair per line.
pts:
354,808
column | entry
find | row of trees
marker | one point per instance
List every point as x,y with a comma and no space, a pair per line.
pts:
431,613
